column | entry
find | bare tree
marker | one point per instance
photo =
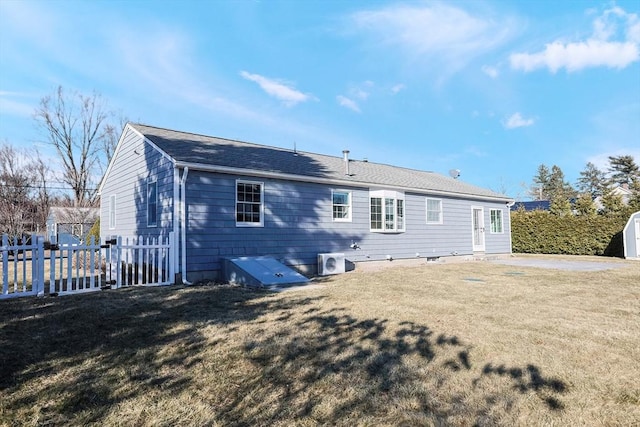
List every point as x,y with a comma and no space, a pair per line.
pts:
111,136
42,197
16,184
76,125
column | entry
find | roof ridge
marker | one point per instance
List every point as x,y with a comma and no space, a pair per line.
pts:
233,140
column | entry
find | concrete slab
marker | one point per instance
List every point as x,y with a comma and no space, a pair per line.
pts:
557,264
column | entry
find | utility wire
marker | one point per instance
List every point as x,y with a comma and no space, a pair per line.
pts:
40,187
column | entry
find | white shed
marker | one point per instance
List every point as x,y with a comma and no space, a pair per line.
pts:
631,237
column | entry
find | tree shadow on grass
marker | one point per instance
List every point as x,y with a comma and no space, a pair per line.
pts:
118,338
308,360
378,371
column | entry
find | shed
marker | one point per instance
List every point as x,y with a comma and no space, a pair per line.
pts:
631,237
70,225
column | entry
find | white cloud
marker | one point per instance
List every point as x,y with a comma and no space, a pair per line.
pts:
360,94
614,43
517,121
397,88
577,56
24,106
447,33
348,103
492,72
13,108
278,89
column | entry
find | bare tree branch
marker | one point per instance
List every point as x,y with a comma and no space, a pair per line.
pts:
24,196
76,125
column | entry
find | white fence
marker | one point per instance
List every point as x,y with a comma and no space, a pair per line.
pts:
36,268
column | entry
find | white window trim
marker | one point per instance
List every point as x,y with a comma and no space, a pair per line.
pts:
154,225
395,196
426,213
235,205
491,222
112,212
349,204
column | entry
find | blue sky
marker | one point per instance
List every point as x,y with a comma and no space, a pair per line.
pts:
492,88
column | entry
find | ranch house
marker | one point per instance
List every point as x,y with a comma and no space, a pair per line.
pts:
220,198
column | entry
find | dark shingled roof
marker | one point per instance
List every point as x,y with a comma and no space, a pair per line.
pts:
212,151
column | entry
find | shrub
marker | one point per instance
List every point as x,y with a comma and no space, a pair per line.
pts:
545,233
95,232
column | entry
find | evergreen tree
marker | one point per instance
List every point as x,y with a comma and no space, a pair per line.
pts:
557,186
611,203
592,181
584,205
634,200
540,187
623,170
560,205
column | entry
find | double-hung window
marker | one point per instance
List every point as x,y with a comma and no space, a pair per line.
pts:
387,211
249,204
341,203
434,211
152,204
496,221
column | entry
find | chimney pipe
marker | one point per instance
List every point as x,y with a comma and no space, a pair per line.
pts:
346,161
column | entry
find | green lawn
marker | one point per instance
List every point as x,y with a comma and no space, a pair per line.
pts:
463,344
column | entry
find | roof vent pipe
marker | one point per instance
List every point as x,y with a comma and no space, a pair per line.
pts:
346,161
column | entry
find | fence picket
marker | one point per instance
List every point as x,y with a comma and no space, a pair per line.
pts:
140,261
5,265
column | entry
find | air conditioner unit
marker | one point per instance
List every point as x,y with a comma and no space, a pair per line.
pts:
330,264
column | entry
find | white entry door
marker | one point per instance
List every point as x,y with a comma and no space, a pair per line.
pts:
477,215
637,238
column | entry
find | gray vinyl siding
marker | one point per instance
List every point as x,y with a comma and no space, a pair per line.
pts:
298,225
135,164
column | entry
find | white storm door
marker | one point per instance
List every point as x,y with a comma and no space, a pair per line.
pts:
477,215
637,238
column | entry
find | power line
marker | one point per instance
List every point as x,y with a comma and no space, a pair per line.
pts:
40,187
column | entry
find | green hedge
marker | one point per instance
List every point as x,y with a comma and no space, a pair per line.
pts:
544,233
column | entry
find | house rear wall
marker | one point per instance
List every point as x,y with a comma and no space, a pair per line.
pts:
298,225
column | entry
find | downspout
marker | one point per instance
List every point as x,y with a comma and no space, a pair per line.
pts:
183,224
175,261
509,205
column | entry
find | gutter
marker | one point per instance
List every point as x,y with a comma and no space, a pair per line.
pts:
319,180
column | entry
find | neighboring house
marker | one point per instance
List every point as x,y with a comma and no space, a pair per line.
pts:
70,225
225,198
534,205
622,190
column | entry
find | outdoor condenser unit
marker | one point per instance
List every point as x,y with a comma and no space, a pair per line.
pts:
330,264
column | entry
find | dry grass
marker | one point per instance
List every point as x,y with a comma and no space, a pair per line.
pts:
443,344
